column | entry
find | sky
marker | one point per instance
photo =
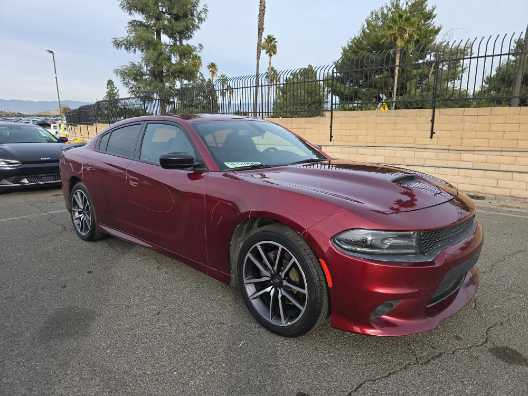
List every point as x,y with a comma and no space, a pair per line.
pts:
308,32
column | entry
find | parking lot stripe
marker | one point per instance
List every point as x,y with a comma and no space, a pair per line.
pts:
6,219
502,213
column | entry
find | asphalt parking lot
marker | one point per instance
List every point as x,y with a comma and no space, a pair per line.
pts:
114,318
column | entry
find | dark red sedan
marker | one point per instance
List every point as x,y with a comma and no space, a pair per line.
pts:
379,249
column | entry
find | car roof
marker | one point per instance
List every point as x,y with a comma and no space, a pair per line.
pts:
215,117
191,118
14,123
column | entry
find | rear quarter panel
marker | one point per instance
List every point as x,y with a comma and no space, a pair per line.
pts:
82,163
70,169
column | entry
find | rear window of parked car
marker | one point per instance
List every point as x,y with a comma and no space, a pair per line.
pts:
123,141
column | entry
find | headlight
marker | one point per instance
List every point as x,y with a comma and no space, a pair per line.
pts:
9,164
371,242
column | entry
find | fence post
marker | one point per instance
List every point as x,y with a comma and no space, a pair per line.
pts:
96,117
433,98
516,100
332,107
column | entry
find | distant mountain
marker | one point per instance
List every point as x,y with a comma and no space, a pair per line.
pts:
36,106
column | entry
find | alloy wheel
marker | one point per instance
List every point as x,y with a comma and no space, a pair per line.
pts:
81,212
275,283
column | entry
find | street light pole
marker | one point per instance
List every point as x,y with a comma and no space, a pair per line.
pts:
56,80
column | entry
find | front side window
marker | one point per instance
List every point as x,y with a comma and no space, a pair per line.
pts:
162,139
25,134
245,143
103,142
123,141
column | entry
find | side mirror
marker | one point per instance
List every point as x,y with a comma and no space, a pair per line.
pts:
176,161
63,139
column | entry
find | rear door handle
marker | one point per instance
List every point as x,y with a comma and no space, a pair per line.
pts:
133,181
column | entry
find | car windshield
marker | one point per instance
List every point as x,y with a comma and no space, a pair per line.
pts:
25,134
242,144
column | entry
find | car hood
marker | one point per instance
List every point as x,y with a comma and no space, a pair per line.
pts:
379,188
31,152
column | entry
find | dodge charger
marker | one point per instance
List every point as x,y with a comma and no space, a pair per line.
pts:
377,250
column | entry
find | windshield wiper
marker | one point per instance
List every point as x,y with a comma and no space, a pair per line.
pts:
254,166
307,161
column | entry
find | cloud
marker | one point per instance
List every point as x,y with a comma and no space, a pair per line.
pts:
312,32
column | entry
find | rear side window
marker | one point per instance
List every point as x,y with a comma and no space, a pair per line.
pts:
123,141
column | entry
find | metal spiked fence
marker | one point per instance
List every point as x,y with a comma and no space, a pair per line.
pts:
485,71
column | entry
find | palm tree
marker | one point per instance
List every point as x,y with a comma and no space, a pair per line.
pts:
402,29
224,82
196,61
273,75
230,93
273,78
260,31
269,45
213,70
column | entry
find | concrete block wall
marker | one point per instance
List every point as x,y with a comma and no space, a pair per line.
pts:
85,132
481,150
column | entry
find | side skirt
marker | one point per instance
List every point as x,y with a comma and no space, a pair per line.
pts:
214,273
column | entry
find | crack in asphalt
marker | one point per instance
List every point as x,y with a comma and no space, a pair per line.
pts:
417,362
503,259
475,304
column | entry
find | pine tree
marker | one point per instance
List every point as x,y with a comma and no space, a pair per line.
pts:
112,93
391,55
161,34
108,110
301,95
500,84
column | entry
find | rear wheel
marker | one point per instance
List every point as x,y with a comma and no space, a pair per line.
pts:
281,281
83,213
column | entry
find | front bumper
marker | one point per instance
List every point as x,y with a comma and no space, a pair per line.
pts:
421,295
30,175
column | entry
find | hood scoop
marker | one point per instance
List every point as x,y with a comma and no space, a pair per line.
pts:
413,182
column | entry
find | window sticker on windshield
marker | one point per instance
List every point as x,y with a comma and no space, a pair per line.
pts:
240,164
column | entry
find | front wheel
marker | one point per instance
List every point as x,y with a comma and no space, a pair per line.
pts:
83,213
281,281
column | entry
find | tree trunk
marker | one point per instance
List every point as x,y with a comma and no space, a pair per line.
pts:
269,107
260,31
159,78
396,74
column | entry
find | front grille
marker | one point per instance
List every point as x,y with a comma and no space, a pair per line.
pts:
432,241
26,180
47,178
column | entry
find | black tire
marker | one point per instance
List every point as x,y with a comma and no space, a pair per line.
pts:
88,232
309,278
